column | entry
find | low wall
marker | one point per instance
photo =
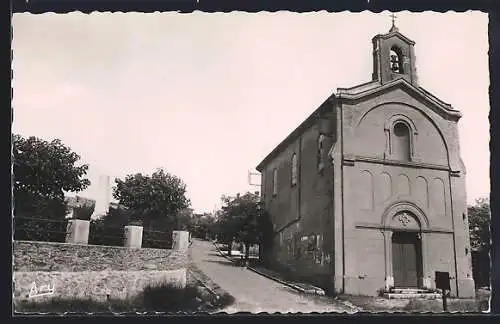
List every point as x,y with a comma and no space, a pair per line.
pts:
98,285
49,269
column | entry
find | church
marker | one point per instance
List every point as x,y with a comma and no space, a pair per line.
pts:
367,195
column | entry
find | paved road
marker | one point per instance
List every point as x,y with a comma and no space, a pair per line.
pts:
253,292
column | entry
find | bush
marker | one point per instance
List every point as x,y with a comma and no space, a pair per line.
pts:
102,234
160,298
156,239
40,229
83,212
481,268
169,298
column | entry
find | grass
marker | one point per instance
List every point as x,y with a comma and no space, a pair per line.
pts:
379,304
454,305
161,298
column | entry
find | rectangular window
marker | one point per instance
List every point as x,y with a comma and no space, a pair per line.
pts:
294,169
275,182
320,153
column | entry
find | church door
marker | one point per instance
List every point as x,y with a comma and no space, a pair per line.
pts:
406,259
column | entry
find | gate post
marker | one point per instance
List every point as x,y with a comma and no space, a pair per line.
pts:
77,231
133,236
180,240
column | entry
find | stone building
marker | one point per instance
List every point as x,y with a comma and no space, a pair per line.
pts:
368,193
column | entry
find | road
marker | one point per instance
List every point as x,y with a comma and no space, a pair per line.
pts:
253,292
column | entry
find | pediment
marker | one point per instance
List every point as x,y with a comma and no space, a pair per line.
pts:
419,93
396,34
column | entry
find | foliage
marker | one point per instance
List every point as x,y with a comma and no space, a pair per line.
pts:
43,171
157,197
109,229
202,226
266,235
481,268
40,229
162,298
116,216
479,228
102,234
156,239
243,219
479,224
185,219
84,211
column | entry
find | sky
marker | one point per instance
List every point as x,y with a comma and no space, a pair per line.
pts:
207,96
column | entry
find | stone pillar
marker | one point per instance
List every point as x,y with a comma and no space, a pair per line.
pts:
133,236
180,240
77,231
389,277
427,279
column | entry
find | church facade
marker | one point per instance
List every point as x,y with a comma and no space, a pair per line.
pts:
368,193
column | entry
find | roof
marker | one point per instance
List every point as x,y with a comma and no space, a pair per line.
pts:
444,108
293,135
394,32
356,93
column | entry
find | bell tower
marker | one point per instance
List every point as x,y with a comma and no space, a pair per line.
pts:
393,57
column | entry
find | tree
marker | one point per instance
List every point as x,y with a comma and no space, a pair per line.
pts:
242,218
479,224
479,228
117,216
266,232
108,229
202,225
43,171
159,197
185,219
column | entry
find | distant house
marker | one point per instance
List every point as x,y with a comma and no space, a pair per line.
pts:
115,205
77,201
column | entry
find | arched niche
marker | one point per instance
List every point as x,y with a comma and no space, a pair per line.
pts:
391,129
396,59
390,121
366,190
392,215
406,221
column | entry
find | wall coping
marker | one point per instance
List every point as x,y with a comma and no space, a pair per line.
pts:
85,245
105,271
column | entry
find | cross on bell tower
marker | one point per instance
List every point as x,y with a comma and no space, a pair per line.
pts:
393,28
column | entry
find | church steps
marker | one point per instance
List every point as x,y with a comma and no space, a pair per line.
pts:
411,293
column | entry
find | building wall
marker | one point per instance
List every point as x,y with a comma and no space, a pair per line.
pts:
302,214
371,185
92,271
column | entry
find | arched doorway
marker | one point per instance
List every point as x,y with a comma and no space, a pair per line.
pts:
405,239
406,259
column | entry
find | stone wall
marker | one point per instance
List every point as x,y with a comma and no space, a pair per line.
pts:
99,272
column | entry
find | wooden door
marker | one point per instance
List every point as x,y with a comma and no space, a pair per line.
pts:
406,260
